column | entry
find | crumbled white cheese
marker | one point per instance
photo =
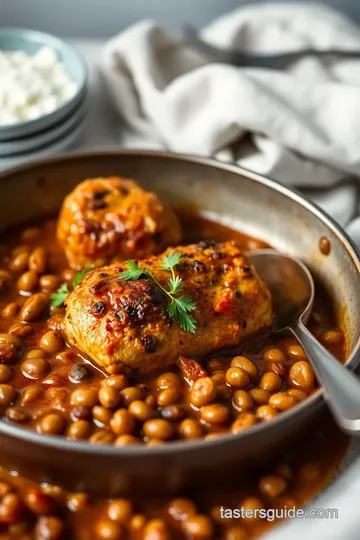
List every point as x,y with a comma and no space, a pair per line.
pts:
32,85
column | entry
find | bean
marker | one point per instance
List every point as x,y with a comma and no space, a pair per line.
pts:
119,382
169,380
34,307
181,508
49,283
271,382
21,330
260,396
19,263
126,440
130,394
215,413
80,429
272,485
51,342
273,354
77,501
243,400
30,395
254,504
215,364
279,369
17,414
9,339
38,260
49,528
38,502
122,423
203,392
237,377
245,364
10,310
101,437
80,413
120,510
79,372
218,378
6,373
235,533
35,353
300,395
102,414
28,281
168,397
156,529
158,428
282,401
332,337
309,472
87,397
5,275
109,397
198,526
264,413
137,524
141,411
4,489
35,368
295,352
30,234
11,508
243,421
190,429
301,375
51,424
7,394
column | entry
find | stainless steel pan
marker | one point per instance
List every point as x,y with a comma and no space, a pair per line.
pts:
233,196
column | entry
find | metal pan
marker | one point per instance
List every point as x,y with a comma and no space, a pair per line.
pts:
245,201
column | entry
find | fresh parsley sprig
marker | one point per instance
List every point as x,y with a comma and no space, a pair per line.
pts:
58,298
179,308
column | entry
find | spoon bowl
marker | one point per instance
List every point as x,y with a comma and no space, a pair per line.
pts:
293,290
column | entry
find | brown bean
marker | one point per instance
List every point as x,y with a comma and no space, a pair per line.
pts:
130,394
122,423
102,414
88,397
260,396
158,428
243,400
51,342
19,262
203,392
126,440
332,337
10,310
168,397
109,397
77,501
156,529
49,283
9,339
245,364
28,281
282,401
190,429
17,414
243,421
198,526
215,364
181,508
254,504
264,413
101,437
7,394
6,373
21,330
141,411
273,354
35,368
80,429
38,502
34,307
272,485
235,533
169,380
237,377
119,382
11,508
295,352
271,382
301,375
300,395
38,260
49,528
79,372
51,424
279,369
109,530
30,395
5,275
214,414
120,510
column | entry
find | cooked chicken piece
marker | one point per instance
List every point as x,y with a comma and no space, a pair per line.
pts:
107,219
124,325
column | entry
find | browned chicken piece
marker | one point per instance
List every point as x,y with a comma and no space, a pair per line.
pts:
124,325
107,219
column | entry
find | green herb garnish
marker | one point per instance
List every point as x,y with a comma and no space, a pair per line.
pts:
58,298
179,308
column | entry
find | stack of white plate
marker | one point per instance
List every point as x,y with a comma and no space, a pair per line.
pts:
50,129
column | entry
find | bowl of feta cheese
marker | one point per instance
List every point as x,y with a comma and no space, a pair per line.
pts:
43,83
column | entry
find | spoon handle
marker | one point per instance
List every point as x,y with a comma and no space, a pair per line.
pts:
342,387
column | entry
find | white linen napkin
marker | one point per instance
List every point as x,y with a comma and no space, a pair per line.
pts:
300,126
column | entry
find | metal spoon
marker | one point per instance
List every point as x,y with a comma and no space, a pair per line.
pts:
292,288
